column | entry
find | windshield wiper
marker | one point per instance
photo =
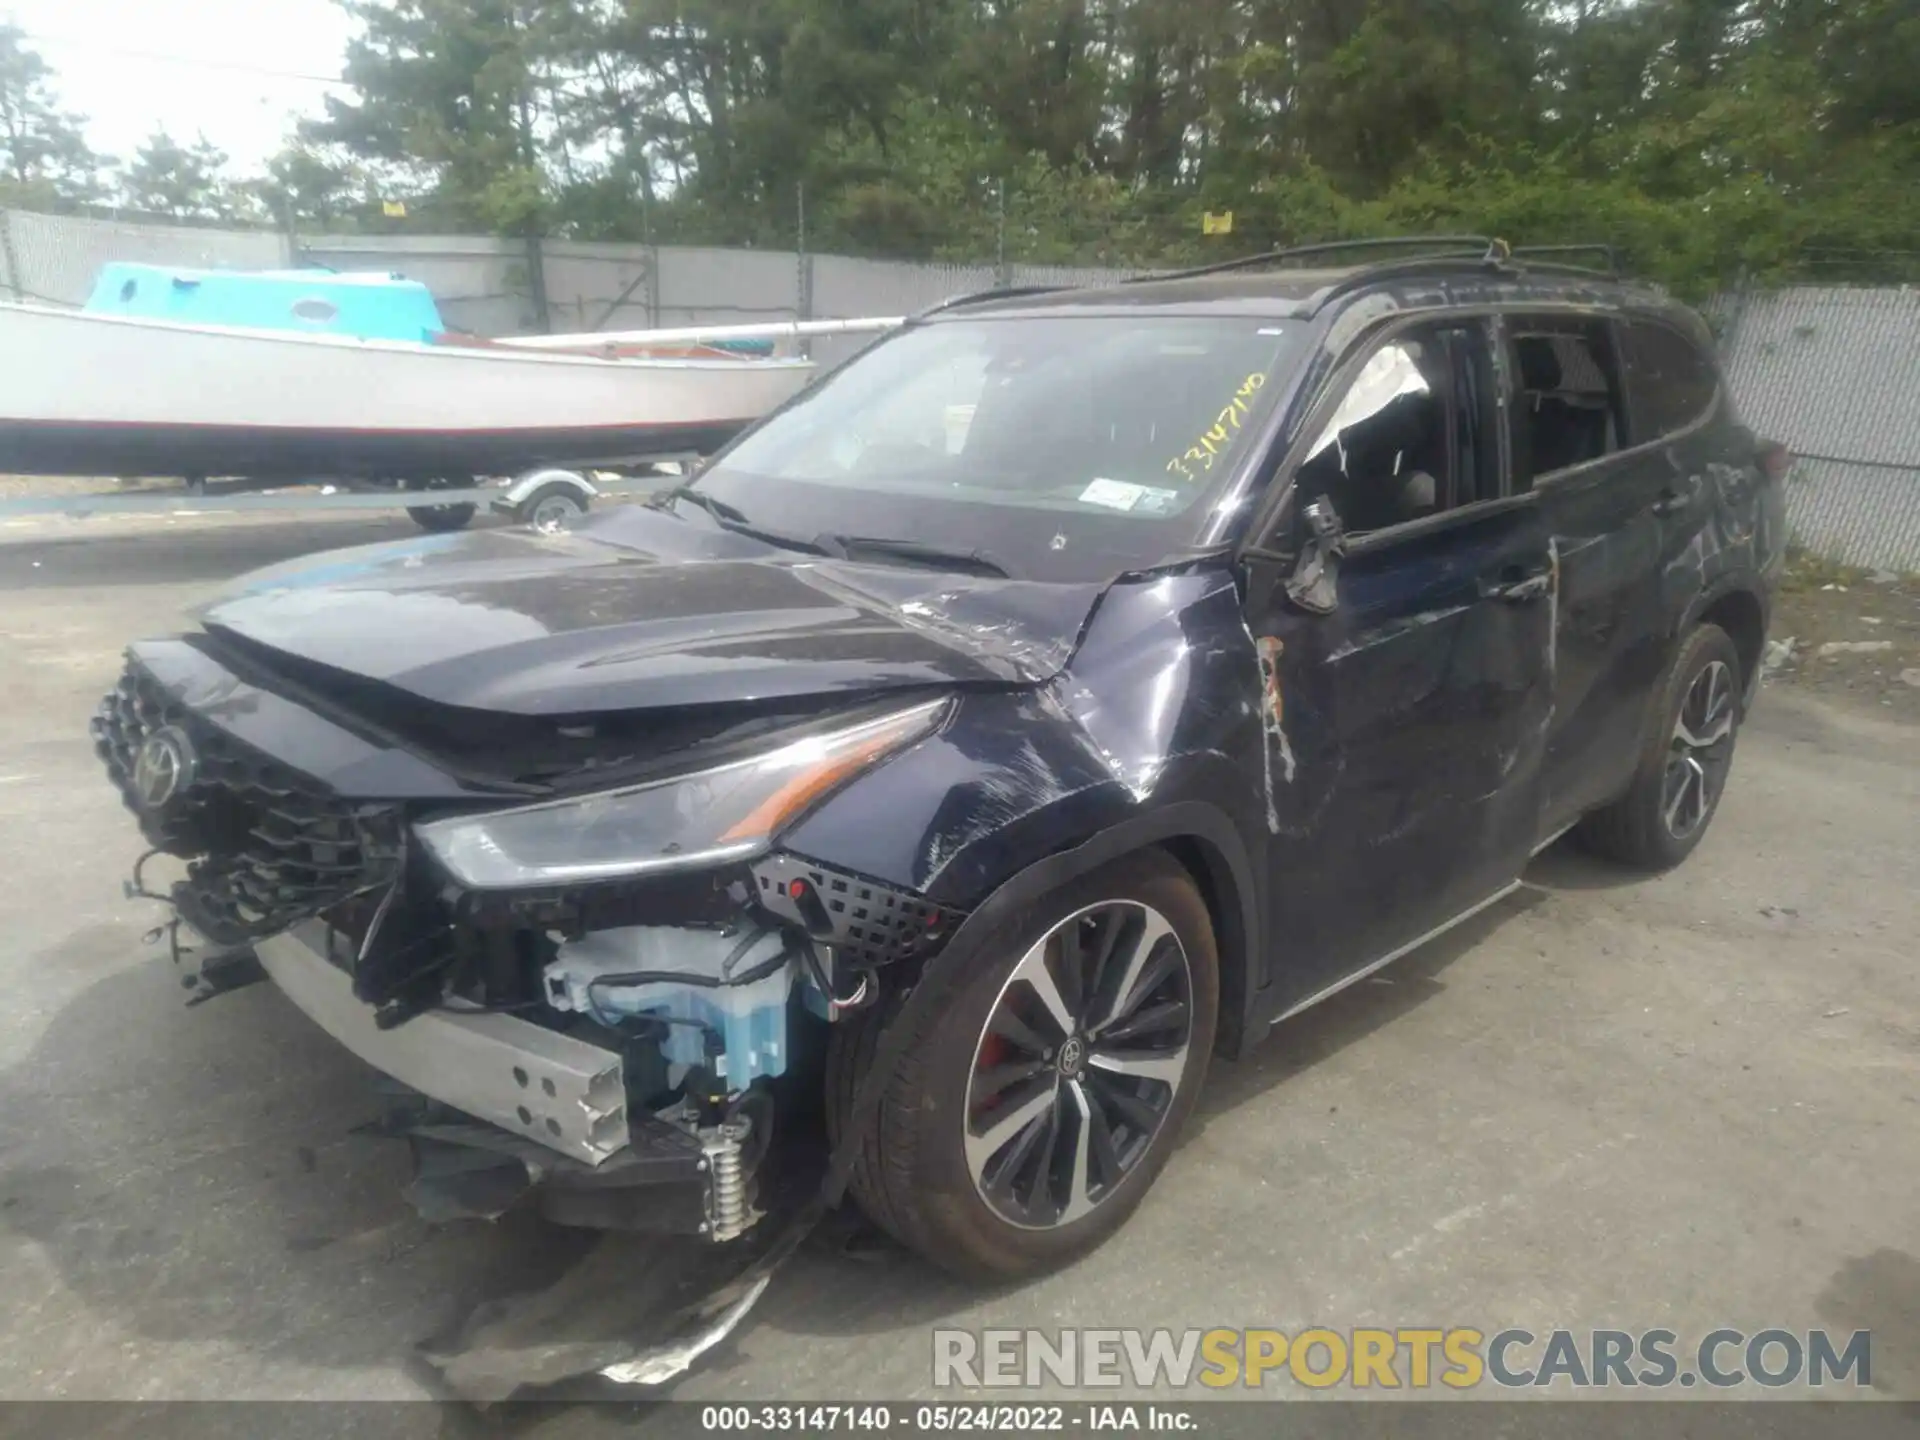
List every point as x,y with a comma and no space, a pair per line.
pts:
939,557
719,509
732,518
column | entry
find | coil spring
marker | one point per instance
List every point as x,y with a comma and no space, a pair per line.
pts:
726,1180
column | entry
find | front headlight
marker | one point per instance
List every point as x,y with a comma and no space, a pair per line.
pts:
727,813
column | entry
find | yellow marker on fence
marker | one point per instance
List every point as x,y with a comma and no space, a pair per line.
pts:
1220,224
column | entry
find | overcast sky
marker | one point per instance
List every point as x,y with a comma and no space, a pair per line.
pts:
228,69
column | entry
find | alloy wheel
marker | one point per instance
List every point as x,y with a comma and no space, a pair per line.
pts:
1076,1069
1700,752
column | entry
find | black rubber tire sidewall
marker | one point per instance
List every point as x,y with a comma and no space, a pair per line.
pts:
1632,830
441,518
914,1181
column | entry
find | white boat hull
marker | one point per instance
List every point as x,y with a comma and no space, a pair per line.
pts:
84,394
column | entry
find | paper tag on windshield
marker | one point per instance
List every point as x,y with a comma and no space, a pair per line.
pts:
1114,494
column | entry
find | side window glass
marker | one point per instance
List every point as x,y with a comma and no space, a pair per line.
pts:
1566,408
1669,381
1383,457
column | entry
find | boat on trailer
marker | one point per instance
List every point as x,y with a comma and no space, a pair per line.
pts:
280,376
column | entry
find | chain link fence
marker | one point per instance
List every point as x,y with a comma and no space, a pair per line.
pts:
1828,371
54,258
1833,373
494,286
486,286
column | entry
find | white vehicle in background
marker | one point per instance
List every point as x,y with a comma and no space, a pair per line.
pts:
281,377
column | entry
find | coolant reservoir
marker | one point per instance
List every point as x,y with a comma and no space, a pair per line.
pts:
732,985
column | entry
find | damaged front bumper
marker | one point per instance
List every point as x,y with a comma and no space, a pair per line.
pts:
566,1094
498,1109
643,1052
630,1053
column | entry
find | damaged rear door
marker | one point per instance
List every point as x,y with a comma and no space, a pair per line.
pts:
1404,611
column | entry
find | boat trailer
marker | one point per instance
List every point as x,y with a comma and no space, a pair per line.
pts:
547,496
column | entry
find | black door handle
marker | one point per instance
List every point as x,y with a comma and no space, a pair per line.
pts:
1677,495
1516,588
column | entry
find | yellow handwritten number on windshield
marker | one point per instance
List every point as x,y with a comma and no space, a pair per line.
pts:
1198,458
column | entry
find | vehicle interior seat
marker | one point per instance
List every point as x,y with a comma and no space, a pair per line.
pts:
1564,409
1391,464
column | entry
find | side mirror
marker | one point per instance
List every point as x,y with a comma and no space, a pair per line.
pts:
1312,584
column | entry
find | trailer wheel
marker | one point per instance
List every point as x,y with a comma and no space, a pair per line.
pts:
440,518
552,507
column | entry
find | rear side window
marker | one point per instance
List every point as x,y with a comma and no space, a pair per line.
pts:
1670,383
1567,396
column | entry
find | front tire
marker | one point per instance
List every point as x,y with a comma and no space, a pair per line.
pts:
1048,1081
1684,762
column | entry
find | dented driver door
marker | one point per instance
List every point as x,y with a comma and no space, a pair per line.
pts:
1408,699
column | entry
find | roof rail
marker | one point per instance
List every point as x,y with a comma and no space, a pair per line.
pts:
1478,246
1392,269
1605,252
981,297
1440,250
1485,248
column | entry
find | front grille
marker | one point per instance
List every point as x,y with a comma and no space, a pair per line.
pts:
265,845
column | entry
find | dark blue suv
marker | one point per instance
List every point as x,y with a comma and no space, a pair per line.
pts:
1046,701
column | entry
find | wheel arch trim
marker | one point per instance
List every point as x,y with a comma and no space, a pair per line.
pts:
522,489
1192,833
1738,588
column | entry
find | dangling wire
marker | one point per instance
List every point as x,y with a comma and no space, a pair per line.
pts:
136,888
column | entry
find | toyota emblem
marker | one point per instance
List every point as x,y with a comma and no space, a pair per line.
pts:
165,767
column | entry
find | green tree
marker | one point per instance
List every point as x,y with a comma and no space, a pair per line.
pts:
183,182
448,99
1706,137
44,159
308,188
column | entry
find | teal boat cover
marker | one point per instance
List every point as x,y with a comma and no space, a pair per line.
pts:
364,305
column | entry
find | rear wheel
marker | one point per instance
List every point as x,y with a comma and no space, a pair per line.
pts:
440,517
1050,1079
1684,762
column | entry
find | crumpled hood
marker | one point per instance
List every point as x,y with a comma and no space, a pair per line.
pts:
637,610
